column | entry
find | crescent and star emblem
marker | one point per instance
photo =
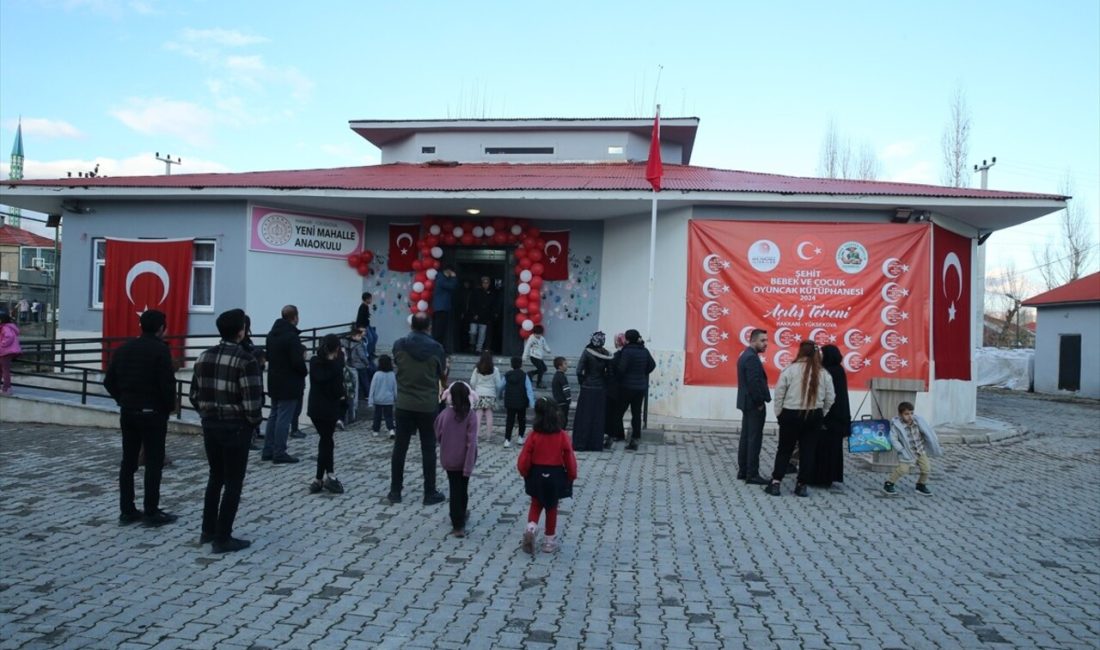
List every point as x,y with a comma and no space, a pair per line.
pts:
148,266
552,258
404,249
951,261
801,254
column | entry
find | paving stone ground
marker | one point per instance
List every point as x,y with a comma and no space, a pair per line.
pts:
660,549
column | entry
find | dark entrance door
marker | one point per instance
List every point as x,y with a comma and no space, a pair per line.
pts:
471,264
1069,362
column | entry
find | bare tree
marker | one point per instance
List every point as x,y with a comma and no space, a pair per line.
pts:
956,142
1005,293
1071,257
836,156
869,165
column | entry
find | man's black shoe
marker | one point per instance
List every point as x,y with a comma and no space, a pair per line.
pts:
266,456
757,480
229,545
394,497
130,517
297,434
632,445
158,518
284,459
801,490
434,498
773,489
206,538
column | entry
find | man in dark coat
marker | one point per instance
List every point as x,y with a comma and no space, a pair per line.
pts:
443,306
141,379
752,395
286,383
632,369
484,311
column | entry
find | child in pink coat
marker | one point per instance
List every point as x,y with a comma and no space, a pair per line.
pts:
9,349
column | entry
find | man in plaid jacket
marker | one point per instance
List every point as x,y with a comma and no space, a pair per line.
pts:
227,391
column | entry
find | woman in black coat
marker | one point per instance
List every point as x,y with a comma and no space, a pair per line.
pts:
828,465
327,403
589,421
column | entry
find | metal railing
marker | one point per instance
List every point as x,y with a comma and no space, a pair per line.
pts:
75,366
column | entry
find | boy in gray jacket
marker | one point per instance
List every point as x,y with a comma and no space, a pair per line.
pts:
915,441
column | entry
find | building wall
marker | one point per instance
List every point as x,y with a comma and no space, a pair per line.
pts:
1056,321
587,146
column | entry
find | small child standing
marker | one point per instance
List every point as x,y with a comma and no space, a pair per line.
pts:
915,441
518,396
383,392
486,381
359,361
563,394
535,349
327,401
549,467
456,433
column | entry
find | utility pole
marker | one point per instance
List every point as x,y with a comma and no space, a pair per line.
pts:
168,162
984,169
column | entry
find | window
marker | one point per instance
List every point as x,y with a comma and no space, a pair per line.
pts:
202,274
36,258
427,149
518,150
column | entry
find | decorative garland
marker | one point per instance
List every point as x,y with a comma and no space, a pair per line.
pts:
439,232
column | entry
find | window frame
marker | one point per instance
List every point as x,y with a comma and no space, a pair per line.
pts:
99,264
39,250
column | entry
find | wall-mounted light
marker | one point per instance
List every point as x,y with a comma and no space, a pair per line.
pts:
473,211
902,215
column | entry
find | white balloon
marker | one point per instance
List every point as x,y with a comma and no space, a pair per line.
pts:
437,252
418,286
422,305
409,320
517,229
431,273
525,275
524,288
490,231
528,325
479,231
457,232
435,229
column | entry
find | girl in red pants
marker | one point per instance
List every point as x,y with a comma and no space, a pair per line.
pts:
549,467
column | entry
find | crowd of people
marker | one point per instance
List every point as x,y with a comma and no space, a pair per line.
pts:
412,393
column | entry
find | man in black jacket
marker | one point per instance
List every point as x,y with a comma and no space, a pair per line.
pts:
632,371
286,382
141,379
752,395
484,311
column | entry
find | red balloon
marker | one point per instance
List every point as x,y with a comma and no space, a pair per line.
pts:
413,309
467,239
537,269
525,262
447,224
426,295
521,253
498,223
536,319
420,276
449,239
368,256
518,269
363,268
535,255
524,334
435,263
520,318
414,296
499,237
353,259
428,284
534,310
536,282
533,232
432,241
521,302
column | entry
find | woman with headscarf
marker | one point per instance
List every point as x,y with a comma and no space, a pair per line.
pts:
589,422
803,395
828,467
615,408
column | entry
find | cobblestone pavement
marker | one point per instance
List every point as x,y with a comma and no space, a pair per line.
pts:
660,549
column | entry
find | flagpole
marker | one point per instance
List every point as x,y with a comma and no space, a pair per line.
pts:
652,249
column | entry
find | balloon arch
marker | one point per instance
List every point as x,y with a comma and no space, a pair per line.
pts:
438,232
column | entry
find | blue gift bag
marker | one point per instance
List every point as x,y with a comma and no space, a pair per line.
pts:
869,435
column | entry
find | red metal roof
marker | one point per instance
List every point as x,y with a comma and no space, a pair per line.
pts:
465,177
12,236
1082,290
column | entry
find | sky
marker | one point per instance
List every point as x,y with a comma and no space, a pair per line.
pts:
243,86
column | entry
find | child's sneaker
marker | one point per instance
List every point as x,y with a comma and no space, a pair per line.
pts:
889,488
923,489
529,541
550,545
315,487
507,443
392,434
519,441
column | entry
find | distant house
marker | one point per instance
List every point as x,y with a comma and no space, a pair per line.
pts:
1067,340
998,333
26,265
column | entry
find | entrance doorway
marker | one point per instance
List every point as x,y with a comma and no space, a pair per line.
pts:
470,265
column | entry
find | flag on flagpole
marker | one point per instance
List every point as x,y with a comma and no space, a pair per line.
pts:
653,168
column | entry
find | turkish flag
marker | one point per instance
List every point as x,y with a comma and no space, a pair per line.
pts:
403,241
141,274
653,168
951,304
555,255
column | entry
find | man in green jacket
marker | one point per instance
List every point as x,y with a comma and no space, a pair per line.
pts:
419,360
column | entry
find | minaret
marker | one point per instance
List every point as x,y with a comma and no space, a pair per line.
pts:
16,171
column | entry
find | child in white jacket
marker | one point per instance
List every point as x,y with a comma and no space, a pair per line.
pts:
915,441
536,349
487,382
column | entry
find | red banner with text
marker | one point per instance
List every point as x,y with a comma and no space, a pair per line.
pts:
861,287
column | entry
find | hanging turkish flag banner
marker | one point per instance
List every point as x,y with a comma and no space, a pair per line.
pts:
653,167
404,238
861,287
950,304
555,255
142,274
